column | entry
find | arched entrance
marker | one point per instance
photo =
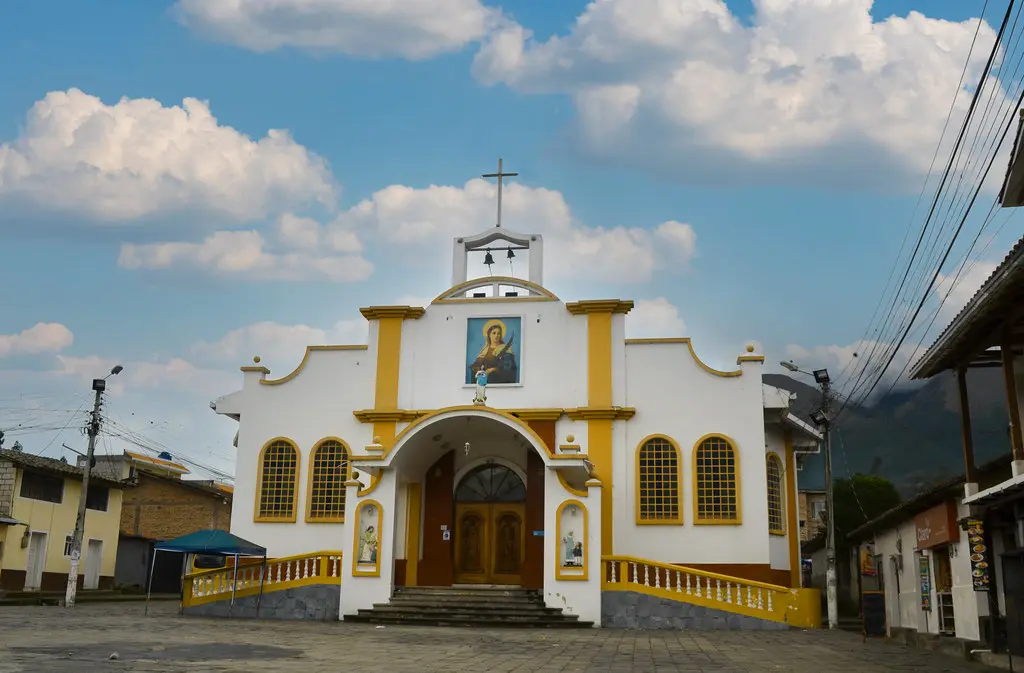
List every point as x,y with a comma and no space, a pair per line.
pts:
490,504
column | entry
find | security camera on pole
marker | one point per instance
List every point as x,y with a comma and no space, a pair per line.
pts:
98,386
823,419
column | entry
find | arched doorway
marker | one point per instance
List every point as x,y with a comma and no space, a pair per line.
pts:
490,503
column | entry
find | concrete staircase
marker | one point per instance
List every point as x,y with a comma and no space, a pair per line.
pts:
480,607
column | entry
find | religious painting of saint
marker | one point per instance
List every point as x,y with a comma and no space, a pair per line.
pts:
493,345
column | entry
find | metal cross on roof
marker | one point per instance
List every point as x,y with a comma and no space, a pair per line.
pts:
500,175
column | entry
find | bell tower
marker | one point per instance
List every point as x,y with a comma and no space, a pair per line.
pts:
500,239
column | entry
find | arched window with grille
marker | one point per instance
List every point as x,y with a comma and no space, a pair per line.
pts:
716,491
776,510
328,472
658,481
278,481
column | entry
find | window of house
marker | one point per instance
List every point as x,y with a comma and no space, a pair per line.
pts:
69,543
45,487
658,462
328,474
716,476
97,498
776,514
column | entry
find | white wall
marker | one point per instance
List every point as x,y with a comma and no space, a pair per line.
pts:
317,403
674,396
778,545
582,598
552,366
360,592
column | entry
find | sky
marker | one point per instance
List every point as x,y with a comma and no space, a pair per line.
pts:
185,184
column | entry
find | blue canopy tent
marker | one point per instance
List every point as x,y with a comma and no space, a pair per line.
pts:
217,542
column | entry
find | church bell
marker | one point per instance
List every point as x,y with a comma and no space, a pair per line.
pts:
511,254
488,258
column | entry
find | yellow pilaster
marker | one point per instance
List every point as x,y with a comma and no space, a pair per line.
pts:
792,514
599,397
412,534
389,356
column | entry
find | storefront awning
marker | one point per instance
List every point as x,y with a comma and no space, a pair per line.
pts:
1011,488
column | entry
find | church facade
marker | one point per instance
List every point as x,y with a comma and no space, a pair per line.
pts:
503,436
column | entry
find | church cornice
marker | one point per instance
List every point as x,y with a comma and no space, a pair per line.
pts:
302,363
456,294
403,312
599,306
601,413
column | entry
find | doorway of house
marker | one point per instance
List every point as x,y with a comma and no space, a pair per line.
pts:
36,561
490,505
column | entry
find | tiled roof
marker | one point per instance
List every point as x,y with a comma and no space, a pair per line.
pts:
932,362
28,460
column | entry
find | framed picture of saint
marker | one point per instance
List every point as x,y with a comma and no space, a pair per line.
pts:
495,346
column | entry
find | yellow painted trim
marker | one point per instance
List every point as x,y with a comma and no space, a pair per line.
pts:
749,358
259,484
599,306
309,480
574,491
792,514
374,483
412,427
693,354
387,415
601,418
593,413
396,312
738,521
446,296
414,498
677,521
356,572
769,457
540,414
220,578
560,557
302,363
260,369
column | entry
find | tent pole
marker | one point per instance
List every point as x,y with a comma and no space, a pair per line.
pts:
181,585
149,585
263,574
234,584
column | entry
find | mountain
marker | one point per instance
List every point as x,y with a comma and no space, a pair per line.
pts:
912,436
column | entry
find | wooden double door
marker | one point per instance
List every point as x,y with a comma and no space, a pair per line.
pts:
490,535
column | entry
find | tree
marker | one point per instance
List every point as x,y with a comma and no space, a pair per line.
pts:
858,500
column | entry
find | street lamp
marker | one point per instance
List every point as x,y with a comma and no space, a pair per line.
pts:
98,386
822,418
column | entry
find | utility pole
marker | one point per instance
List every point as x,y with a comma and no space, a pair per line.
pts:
98,386
830,531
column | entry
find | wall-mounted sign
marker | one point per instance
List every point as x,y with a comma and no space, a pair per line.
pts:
446,535
867,560
979,554
538,533
937,526
925,578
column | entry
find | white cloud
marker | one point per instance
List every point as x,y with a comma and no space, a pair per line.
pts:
137,158
275,343
405,216
414,29
654,318
961,289
245,254
43,337
817,90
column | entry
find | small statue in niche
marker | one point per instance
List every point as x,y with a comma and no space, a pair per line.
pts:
368,546
481,386
570,545
577,553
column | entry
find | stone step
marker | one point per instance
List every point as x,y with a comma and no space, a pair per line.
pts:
423,607
466,621
483,600
486,592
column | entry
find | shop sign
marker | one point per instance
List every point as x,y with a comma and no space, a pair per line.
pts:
979,554
925,578
937,526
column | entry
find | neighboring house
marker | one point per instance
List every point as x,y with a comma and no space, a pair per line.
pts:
919,555
161,506
38,509
812,512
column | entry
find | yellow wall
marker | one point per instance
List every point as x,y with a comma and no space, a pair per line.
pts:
57,521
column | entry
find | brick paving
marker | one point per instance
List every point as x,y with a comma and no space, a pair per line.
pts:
52,640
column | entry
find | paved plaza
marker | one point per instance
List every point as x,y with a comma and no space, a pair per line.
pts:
52,640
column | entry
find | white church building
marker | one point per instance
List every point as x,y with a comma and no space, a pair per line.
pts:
577,462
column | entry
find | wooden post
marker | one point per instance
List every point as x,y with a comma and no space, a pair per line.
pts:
970,471
1011,396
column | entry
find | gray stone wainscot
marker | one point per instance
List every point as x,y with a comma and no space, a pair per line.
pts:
315,602
633,610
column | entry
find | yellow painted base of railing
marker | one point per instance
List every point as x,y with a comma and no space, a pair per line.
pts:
208,586
800,608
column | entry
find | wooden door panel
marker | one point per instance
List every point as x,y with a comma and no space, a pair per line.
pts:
508,540
472,558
